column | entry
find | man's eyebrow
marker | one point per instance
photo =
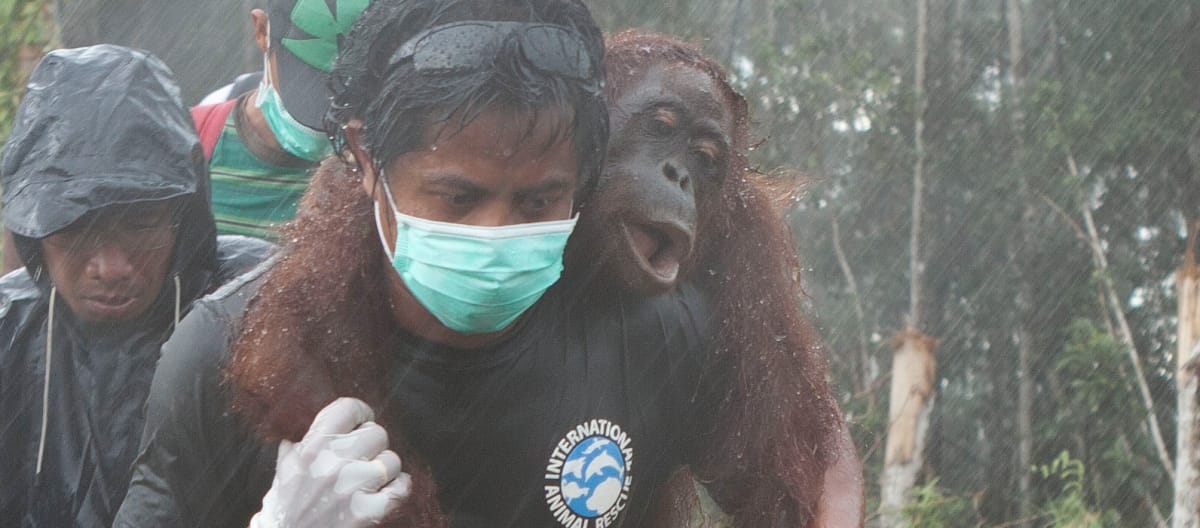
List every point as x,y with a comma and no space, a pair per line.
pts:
555,183
456,181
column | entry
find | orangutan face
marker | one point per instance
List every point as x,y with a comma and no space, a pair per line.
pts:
667,159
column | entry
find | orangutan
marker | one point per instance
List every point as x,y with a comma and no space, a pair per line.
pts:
678,201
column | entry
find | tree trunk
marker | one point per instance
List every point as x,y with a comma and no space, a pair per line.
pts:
863,373
1186,513
1024,337
914,369
914,366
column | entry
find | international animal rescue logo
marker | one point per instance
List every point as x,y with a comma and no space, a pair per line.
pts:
588,475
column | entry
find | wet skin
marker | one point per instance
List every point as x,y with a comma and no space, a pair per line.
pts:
667,157
487,174
109,266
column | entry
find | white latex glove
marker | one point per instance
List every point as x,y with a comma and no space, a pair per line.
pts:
341,473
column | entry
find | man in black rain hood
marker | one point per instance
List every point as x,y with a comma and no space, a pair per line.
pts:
106,190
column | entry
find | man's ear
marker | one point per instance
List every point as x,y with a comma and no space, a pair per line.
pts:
362,160
258,17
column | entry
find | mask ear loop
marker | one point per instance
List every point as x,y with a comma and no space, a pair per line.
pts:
266,81
267,55
379,223
387,192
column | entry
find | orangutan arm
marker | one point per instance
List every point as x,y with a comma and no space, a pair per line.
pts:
841,504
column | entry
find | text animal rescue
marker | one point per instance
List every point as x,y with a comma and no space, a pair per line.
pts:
569,458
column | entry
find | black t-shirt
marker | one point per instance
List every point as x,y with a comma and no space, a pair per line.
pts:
577,415
572,419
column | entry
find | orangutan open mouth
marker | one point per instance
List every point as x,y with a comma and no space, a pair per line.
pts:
660,247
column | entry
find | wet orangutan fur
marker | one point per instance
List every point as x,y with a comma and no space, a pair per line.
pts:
774,430
295,354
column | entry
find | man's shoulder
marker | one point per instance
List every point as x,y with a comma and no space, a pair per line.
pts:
237,254
229,300
680,317
17,289
201,341
686,304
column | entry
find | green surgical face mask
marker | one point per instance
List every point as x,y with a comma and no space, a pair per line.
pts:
295,138
475,280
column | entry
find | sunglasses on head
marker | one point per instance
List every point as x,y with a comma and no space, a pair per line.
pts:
473,45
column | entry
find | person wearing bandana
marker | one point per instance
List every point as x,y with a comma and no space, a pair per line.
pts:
262,144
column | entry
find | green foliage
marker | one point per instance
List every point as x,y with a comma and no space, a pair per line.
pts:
1070,509
1093,362
931,507
22,23
1099,417
867,425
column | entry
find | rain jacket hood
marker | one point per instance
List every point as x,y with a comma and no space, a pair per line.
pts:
99,126
102,126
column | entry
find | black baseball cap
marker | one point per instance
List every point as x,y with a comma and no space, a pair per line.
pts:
304,36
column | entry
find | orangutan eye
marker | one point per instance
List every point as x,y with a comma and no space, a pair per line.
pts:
709,152
662,122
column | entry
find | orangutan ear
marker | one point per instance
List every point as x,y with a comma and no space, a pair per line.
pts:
362,160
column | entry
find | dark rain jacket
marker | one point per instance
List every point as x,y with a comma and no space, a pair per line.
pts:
99,126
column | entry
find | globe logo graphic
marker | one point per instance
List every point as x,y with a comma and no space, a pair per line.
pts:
592,477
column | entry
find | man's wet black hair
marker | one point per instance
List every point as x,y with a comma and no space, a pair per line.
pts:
397,103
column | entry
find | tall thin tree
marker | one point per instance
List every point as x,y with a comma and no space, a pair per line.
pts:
1186,513
1025,244
914,366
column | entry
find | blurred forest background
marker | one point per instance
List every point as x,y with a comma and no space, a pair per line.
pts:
994,225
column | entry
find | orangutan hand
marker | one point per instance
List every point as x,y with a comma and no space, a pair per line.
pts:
340,474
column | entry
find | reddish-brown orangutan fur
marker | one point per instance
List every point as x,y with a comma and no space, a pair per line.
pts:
315,333
776,429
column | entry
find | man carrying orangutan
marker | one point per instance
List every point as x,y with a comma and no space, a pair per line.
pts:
431,303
